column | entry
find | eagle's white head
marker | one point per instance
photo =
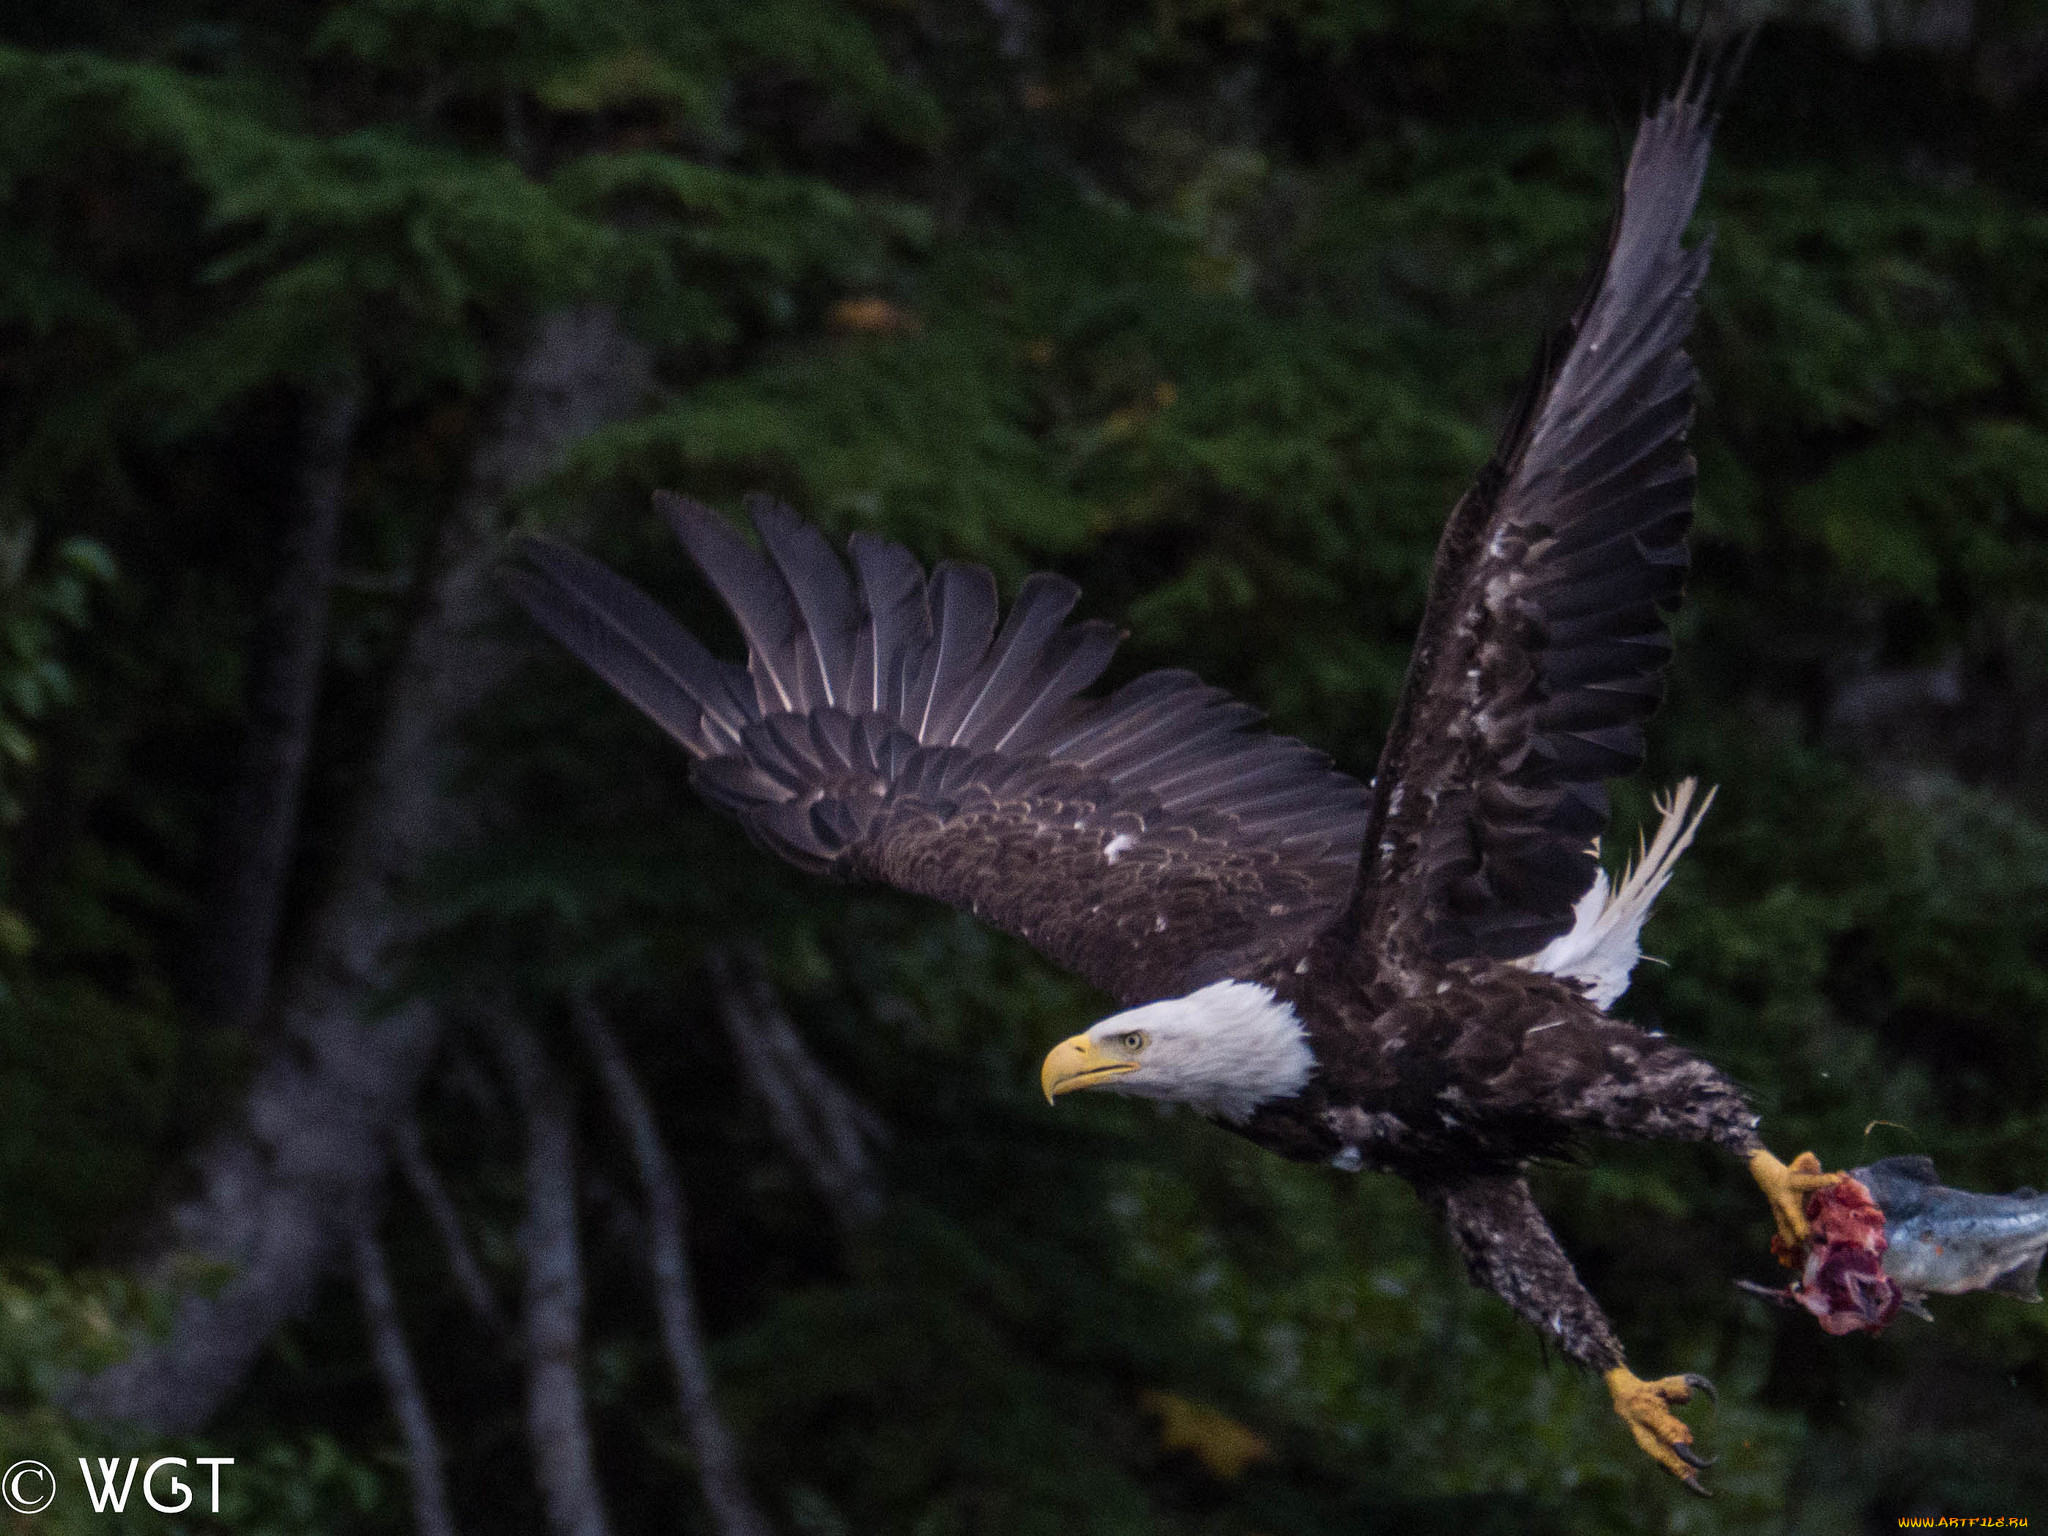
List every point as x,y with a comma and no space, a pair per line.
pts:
1224,1050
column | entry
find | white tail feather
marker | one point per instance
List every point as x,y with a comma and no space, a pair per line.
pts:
1601,950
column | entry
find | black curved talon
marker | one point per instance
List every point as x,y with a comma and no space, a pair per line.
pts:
1692,1458
1697,1486
1700,1383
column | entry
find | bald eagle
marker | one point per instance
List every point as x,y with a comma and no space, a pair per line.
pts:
1410,975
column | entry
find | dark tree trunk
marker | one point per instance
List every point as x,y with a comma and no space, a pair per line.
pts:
718,1461
433,1194
258,825
280,1190
557,1424
823,1126
430,1509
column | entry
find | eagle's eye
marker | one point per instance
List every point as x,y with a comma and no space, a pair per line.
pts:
1134,1041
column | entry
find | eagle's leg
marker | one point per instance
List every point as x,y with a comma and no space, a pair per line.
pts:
1786,1186
1510,1250
1654,1090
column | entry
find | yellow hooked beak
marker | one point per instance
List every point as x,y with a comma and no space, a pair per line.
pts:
1079,1063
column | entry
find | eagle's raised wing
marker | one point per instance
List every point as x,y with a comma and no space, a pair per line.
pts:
884,728
1543,646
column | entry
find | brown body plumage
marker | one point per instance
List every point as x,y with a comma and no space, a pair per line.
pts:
1481,1070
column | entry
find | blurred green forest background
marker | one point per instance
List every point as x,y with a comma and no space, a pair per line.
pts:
327,888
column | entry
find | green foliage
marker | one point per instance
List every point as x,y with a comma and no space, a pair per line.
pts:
53,1325
33,612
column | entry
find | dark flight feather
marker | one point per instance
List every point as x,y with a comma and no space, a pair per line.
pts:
1543,646
647,655
823,594
963,602
896,622
1042,605
885,728
759,598
1071,661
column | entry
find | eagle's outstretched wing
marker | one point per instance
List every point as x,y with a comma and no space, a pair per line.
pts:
1543,646
884,728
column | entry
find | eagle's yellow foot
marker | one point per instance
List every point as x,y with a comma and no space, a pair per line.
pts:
1786,1187
1645,1407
